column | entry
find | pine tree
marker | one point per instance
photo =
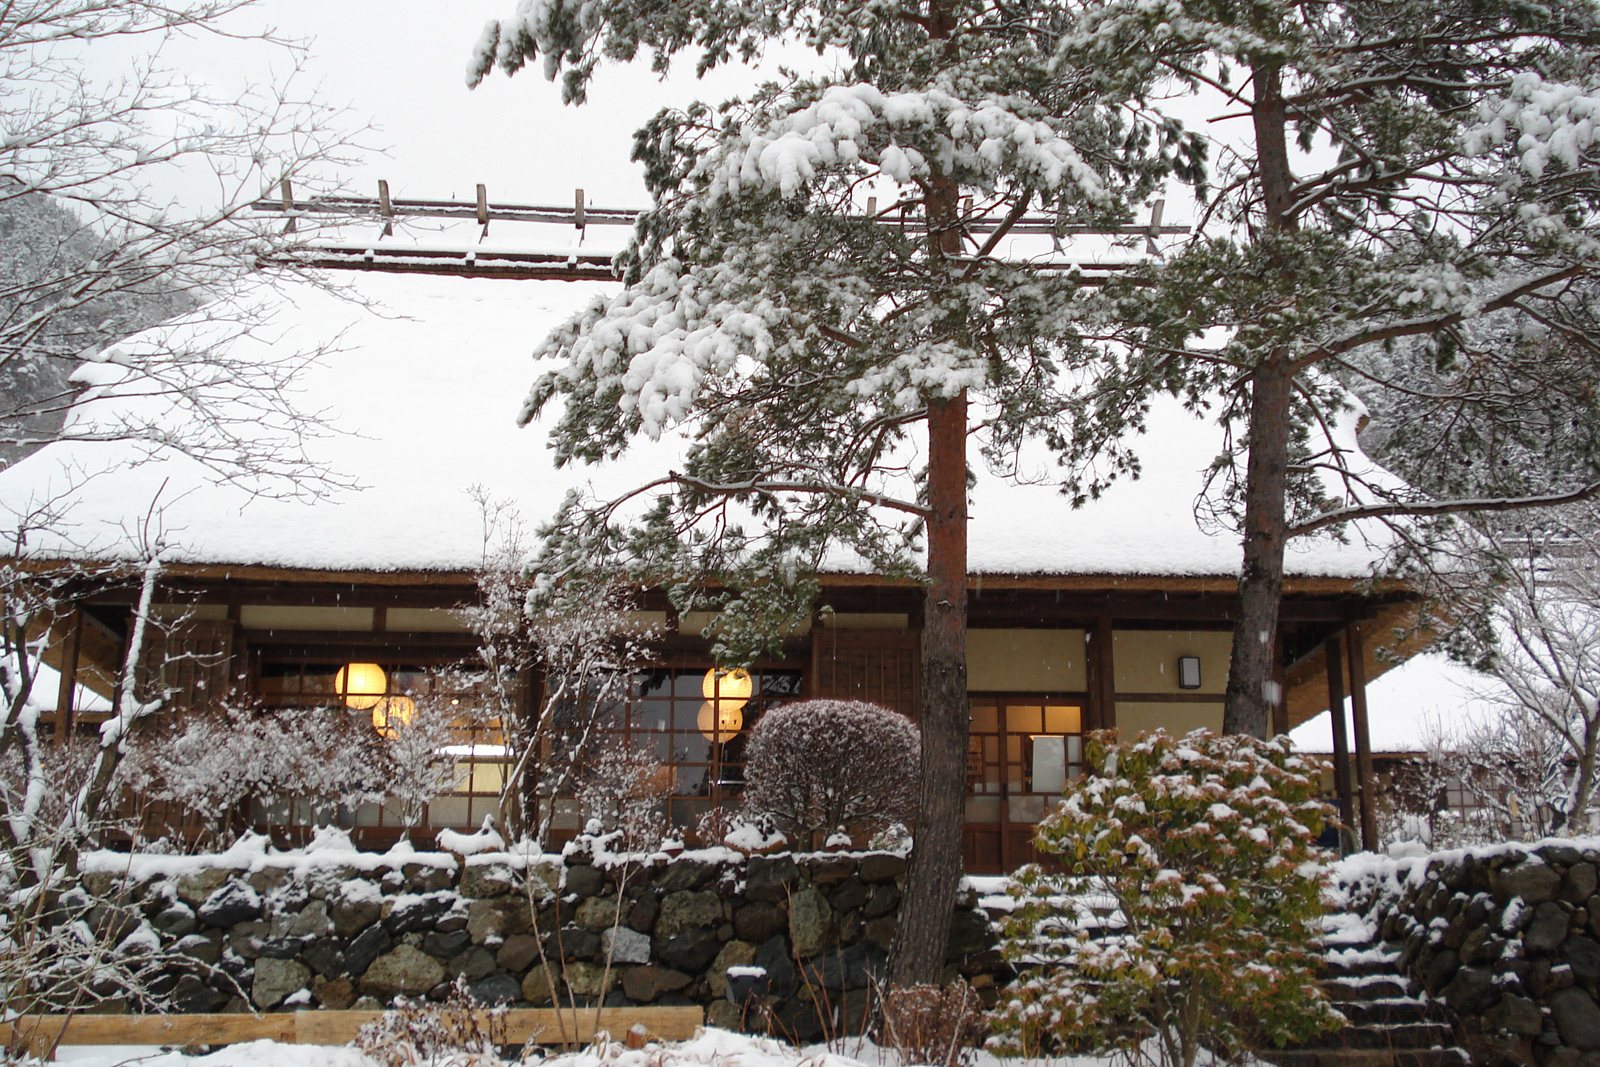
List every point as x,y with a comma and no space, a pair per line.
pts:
795,339
1389,173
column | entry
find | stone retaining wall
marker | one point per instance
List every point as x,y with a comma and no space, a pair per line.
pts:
1508,938
356,930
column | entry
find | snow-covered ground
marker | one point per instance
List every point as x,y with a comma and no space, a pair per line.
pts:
711,1048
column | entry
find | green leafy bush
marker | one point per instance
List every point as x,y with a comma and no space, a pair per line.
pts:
1189,892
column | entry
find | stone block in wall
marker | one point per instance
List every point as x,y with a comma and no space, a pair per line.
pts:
472,964
597,913
684,874
1577,1018
485,880
517,953
622,945
824,871
691,951
491,921
770,878
335,994
685,910
405,970
589,979
1548,929
277,979
882,867
371,943
585,881
758,920
412,913
1579,883
537,985
811,923
648,982
230,904
733,954
1533,880
355,906
773,957
193,887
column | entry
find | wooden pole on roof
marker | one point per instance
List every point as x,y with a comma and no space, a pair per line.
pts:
286,194
577,209
1341,743
483,207
1156,210
1366,780
385,208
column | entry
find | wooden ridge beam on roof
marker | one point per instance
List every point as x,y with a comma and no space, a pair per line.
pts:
482,210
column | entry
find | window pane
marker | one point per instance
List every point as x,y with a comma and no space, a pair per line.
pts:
1063,719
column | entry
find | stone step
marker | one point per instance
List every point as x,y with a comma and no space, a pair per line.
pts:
1387,1011
1415,1035
1365,987
1340,964
1448,1056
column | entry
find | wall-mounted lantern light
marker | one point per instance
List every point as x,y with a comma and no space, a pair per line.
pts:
726,693
361,684
1188,672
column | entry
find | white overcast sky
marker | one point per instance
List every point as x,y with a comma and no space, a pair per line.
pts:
400,64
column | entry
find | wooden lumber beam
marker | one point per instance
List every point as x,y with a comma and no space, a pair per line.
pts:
545,1026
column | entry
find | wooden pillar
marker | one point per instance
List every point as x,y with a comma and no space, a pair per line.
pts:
1102,710
1366,780
72,640
1280,678
1341,743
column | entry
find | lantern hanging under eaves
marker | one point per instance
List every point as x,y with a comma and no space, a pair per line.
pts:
362,685
390,714
719,721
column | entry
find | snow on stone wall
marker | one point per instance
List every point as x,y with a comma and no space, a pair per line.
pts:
1507,936
341,929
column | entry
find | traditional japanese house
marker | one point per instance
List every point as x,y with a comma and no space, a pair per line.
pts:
1117,614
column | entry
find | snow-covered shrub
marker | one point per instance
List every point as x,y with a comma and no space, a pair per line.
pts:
455,1033
1189,894
415,762
210,764
818,765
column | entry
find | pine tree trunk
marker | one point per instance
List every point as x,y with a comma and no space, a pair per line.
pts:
935,872
1248,707
1251,679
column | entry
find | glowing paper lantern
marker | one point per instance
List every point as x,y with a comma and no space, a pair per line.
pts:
719,721
391,714
727,688
361,684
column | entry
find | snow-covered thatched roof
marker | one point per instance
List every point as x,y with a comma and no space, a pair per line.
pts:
423,384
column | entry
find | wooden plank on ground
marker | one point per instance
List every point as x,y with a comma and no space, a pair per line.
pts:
154,1029
523,1025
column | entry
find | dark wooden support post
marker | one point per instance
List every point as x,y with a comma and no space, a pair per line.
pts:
65,695
1280,679
1341,743
1101,669
1366,780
